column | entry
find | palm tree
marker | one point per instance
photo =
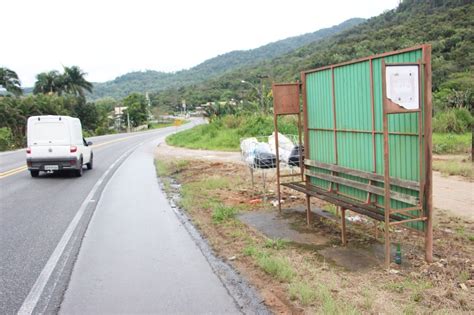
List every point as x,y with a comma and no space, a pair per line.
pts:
9,80
49,83
74,81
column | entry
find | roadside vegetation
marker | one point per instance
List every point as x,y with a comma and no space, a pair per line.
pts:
454,165
58,93
225,131
296,278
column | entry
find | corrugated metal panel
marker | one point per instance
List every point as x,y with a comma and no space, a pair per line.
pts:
353,112
319,91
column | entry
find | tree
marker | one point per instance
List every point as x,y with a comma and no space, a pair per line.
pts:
137,109
9,80
49,83
88,114
74,81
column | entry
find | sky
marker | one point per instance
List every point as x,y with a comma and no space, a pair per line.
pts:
107,39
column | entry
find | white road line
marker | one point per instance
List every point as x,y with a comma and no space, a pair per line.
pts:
36,291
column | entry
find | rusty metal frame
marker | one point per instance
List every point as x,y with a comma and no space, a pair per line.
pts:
390,216
281,110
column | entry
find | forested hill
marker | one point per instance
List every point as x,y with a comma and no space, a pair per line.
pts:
156,81
448,25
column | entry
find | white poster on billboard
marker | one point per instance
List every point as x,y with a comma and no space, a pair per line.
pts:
402,84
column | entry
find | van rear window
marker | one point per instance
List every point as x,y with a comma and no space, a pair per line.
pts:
50,131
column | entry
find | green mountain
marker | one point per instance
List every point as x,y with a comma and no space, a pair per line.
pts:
153,81
448,25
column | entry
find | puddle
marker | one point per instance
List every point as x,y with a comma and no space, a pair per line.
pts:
353,257
276,226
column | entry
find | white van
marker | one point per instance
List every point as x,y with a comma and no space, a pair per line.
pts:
55,143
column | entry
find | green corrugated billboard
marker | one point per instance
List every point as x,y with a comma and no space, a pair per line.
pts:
368,123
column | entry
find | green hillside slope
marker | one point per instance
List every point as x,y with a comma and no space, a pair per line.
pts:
156,81
448,25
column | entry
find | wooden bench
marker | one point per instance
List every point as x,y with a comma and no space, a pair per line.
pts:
363,181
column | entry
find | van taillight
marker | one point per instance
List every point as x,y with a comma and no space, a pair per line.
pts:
28,150
73,149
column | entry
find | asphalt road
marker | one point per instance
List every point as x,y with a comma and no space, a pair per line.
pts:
137,257
35,213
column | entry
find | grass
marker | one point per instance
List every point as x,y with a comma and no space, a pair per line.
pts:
167,168
195,195
276,244
319,294
205,137
160,125
454,167
277,267
461,232
330,305
161,168
414,287
464,276
331,209
369,298
303,292
450,143
214,182
222,213
225,133
250,250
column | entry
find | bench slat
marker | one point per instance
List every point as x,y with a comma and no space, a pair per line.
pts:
366,187
356,206
373,176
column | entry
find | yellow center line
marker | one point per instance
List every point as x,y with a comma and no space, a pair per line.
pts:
13,171
24,167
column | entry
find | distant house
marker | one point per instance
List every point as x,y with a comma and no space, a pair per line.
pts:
118,113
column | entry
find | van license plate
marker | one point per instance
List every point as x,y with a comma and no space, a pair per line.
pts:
51,167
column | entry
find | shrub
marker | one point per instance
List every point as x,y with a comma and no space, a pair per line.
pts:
6,139
456,120
451,143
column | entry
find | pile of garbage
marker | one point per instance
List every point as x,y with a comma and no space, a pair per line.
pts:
259,154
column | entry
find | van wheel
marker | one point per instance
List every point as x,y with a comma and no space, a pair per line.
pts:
34,173
91,163
79,171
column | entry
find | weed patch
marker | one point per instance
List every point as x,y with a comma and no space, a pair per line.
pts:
276,244
223,213
303,292
276,266
451,143
459,168
413,286
249,250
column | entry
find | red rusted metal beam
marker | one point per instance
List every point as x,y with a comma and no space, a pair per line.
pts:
428,196
386,158
306,146
391,53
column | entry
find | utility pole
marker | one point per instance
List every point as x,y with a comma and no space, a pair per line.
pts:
128,122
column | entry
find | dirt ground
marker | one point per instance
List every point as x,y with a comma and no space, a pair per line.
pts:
322,275
454,194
